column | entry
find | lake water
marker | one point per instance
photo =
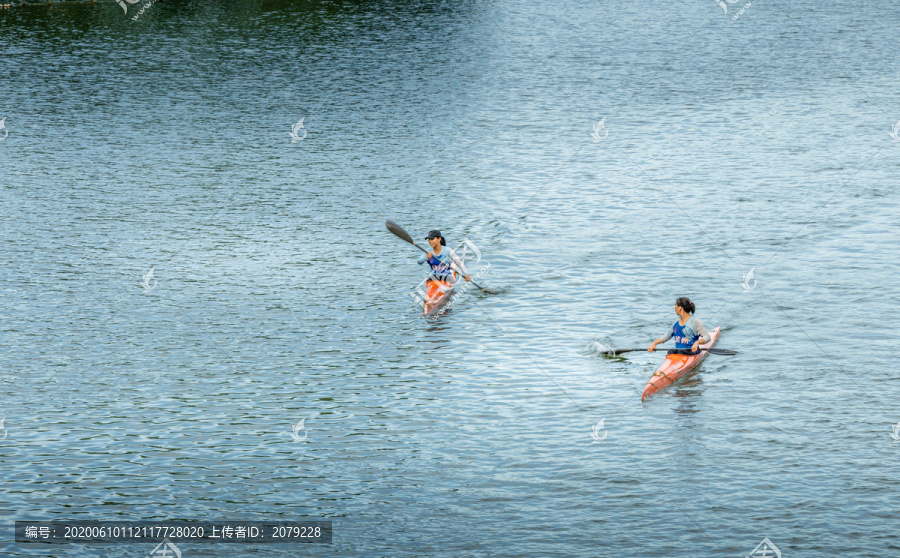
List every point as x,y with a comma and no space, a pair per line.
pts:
719,145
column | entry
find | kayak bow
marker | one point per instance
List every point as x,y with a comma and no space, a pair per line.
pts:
438,294
676,366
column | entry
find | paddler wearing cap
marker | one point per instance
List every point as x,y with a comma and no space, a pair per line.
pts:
442,259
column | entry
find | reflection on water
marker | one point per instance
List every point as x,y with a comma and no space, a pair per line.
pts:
687,389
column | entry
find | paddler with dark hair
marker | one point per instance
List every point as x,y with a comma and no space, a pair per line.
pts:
442,259
688,331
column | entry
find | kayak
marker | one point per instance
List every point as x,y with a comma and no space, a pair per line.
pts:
438,294
676,366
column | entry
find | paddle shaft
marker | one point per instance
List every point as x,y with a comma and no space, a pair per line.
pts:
712,351
402,234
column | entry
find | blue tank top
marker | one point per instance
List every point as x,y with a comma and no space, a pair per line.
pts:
685,335
440,264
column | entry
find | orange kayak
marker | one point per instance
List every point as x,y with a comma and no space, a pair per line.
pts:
676,366
438,294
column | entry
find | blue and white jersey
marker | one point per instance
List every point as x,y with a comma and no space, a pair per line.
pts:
444,264
686,335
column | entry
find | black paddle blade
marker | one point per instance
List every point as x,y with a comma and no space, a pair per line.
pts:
398,230
614,352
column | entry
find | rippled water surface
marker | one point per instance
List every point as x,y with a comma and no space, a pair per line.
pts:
720,145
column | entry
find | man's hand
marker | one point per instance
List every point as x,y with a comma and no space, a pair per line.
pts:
652,347
467,278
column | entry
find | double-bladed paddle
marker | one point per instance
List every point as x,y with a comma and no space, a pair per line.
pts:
712,351
398,230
